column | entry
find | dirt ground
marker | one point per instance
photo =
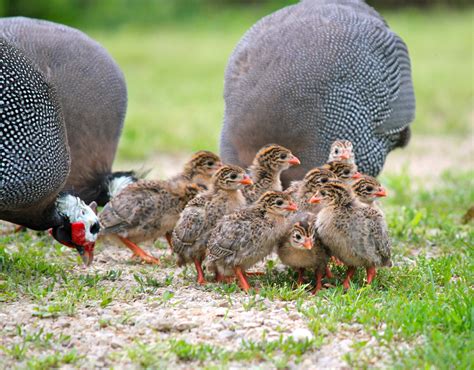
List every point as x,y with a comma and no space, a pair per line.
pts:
198,314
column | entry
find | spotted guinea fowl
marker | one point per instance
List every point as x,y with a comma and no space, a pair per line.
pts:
34,157
149,209
269,162
314,72
300,248
354,233
368,190
243,238
91,90
189,238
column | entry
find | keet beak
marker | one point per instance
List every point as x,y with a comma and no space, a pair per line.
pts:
357,175
308,243
381,193
291,207
217,165
294,160
246,180
345,155
315,199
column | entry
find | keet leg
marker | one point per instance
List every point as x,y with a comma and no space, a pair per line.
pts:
371,271
329,274
244,284
337,261
350,273
138,252
300,277
200,274
319,284
254,273
168,239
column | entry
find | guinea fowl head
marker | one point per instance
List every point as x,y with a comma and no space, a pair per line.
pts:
334,192
202,166
316,177
80,226
341,150
231,178
277,202
343,170
275,157
302,234
367,189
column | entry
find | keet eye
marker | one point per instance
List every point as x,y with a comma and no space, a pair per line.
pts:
324,179
279,202
346,172
336,151
298,237
210,163
283,156
370,188
323,193
233,176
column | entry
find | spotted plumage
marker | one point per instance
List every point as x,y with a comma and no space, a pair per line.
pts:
354,233
195,223
243,238
315,72
269,162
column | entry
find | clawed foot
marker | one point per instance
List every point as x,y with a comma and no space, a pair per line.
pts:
145,258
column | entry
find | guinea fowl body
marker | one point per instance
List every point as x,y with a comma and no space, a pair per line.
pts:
91,91
314,72
149,209
190,235
243,238
34,157
354,233
268,164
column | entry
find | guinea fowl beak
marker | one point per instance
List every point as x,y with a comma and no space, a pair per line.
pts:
381,193
86,252
315,199
308,243
294,160
246,180
291,207
357,175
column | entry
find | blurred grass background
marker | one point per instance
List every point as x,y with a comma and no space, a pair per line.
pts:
174,53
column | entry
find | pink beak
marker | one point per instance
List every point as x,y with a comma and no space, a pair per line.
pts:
291,207
381,193
294,160
308,243
246,180
357,175
315,199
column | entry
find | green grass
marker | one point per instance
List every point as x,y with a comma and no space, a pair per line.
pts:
175,76
420,311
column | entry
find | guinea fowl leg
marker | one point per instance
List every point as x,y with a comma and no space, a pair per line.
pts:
329,274
319,284
140,253
350,273
244,284
336,261
200,278
254,273
370,274
300,277
168,239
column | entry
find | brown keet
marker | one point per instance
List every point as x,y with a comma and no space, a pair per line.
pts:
197,220
368,190
243,238
149,209
269,162
346,172
300,248
354,233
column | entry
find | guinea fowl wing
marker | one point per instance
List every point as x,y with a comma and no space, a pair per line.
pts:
191,225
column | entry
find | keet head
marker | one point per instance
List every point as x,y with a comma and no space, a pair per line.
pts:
341,150
302,235
202,165
346,172
277,202
231,178
80,226
275,157
333,192
368,188
316,177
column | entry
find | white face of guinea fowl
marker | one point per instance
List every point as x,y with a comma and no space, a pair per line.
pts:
78,211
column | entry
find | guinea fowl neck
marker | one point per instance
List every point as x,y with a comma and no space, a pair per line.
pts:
263,175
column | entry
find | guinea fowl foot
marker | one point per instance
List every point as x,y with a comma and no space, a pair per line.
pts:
350,273
255,273
300,280
244,284
139,253
371,271
200,274
224,279
336,261
319,284
329,274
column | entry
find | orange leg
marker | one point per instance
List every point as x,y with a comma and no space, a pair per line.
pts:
337,261
350,273
319,284
168,239
370,274
244,284
300,277
140,253
254,273
200,274
329,274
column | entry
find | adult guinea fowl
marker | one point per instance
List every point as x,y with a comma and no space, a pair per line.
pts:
91,91
313,73
34,157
